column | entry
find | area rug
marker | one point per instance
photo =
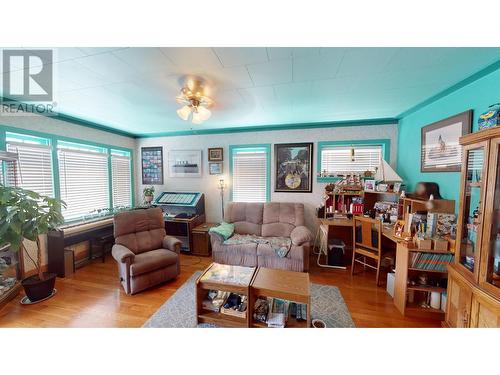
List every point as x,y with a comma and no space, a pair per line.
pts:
179,310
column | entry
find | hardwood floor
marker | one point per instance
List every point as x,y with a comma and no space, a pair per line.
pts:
92,297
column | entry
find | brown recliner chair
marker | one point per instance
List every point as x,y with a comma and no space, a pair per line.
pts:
146,256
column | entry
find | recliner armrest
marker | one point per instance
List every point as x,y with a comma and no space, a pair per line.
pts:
216,238
121,253
301,235
172,244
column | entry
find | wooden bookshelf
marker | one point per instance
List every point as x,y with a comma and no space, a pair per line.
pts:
402,286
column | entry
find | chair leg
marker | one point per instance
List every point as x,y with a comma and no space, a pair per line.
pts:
353,262
378,270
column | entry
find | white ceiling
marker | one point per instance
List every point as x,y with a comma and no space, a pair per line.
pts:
134,89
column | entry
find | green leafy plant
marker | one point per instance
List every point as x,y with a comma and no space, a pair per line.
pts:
149,191
25,214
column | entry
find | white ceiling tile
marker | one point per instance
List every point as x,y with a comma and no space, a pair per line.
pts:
63,54
230,56
278,53
305,52
270,73
97,50
359,61
317,67
109,66
229,78
189,60
146,59
77,73
258,95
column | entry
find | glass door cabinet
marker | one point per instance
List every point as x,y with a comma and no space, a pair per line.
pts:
473,294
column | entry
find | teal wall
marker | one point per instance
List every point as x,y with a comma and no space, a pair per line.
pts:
477,96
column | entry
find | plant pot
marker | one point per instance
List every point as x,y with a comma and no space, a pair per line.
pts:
148,198
36,289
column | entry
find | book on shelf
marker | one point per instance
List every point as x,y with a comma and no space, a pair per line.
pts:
430,261
276,312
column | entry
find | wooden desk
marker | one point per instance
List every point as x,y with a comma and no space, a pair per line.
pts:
387,230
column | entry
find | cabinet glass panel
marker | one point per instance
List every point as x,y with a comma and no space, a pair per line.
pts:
493,272
472,216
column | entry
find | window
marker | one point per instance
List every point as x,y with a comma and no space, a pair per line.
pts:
121,172
87,176
83,178
250,170
336,157
33,171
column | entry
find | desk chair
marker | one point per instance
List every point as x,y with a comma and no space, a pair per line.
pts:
325,246
367,243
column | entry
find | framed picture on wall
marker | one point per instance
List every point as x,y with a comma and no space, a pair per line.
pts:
293,167
152,165
216,154
440,151
215,168
184,163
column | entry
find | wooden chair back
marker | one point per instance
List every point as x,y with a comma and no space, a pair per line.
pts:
367,224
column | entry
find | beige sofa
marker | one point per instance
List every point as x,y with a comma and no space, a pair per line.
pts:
285,220
146,256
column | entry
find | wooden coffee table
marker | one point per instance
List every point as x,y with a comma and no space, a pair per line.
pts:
253,283
287,285
223,277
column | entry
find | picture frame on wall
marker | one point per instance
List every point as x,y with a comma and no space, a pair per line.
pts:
440,148
215,168
184,163
216,154
293,166
152,165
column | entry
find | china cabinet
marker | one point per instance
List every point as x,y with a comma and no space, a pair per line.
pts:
474,278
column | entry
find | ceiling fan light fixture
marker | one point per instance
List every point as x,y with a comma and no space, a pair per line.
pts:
204,113
184,112
195,102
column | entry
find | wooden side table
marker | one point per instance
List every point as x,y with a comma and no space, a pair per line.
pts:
201,239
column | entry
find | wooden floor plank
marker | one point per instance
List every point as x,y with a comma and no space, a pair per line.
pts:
93,297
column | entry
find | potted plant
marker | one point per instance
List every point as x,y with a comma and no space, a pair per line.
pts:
27,215
149,193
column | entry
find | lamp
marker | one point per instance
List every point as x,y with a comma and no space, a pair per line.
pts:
222,186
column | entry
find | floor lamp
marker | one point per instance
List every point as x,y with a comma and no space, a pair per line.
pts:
222,186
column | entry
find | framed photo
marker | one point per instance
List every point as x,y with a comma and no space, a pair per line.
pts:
184,163
369,185
215,168
152,165
293,167
216,154
440,151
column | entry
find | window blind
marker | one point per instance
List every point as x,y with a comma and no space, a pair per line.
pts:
121,179
34,167
84,181
250,176
338,159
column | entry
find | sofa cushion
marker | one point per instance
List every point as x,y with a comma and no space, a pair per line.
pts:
152,260
279,219
246,217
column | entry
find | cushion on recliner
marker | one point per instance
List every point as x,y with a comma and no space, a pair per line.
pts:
152,261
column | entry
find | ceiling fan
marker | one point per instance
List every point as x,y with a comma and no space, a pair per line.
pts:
195,102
